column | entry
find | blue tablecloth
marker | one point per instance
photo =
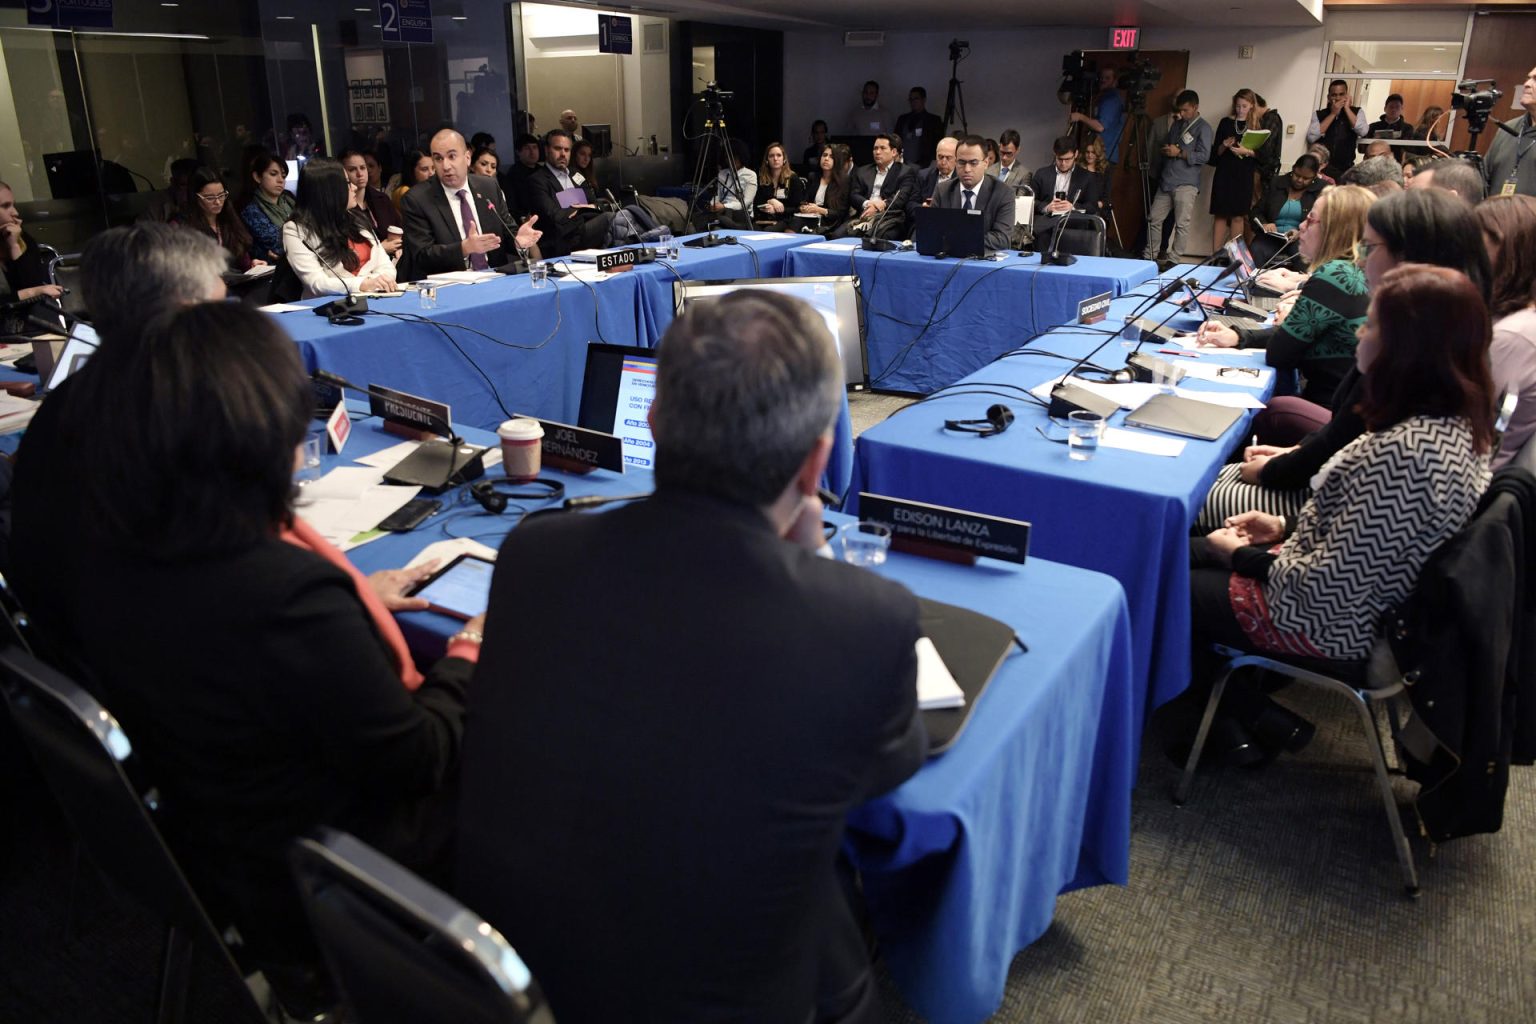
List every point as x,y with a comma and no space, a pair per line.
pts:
930,322
482,381
963,863
1124,513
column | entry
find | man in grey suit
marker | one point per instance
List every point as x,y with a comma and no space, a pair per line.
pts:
1009,170
457,221
972,189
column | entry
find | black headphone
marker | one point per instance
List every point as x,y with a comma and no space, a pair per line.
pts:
494,499
999,418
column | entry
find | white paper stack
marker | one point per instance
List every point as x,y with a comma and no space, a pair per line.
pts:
936,687
350,500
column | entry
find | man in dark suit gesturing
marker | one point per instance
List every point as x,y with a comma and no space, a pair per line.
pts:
1057,183
458,221
653,820
973,189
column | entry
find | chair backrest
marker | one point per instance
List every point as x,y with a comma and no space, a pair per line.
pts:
1083,235
64,270
401,949
82,751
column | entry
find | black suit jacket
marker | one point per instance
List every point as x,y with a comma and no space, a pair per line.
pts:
432,236
894,189
1044,186
654,787
993,199
919,149
563,233
923,184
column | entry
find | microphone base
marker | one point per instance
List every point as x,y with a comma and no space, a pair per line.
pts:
347,312
1057,259
881,244
709,242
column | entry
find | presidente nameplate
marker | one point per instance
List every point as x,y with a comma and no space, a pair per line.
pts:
925,524
617,260
1094,308
577,449
409,410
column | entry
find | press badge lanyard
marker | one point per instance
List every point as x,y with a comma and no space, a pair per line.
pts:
1512,181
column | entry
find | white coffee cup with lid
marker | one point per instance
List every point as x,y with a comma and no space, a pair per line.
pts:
521,448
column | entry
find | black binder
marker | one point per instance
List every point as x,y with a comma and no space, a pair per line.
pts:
972,645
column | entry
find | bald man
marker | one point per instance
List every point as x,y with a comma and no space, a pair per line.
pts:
930,178
460,221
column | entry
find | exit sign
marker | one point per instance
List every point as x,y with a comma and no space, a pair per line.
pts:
1124,38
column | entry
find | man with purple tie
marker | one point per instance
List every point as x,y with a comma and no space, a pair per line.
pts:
458,220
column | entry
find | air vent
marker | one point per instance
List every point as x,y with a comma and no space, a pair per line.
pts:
865,38
653,37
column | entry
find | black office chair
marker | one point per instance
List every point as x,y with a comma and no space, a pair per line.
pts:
84,755
402,950
1084,235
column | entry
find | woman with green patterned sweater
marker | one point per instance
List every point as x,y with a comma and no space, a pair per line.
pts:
1317,333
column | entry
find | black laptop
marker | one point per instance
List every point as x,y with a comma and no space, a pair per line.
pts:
942,231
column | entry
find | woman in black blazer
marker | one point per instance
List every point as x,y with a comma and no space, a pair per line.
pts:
827,194
263,684
1300,189
780,191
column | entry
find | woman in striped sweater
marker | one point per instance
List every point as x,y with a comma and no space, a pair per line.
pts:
1315,586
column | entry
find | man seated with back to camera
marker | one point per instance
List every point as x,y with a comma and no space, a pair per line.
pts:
877,194
566,229
717,738
973,190
1060,188
930,179
1453,175
457,223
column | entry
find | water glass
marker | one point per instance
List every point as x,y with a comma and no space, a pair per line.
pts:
428,295
309,460
538,274
666,245
1165,375
1084,430
864,543
1131,336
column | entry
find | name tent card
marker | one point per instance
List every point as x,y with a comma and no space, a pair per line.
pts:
408,415
1094,308
948,533
578,450
620,259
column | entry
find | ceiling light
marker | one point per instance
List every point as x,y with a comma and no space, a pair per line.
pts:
285,17
460,17
170,5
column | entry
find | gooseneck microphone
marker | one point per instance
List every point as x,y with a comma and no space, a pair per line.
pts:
1057,258
346,312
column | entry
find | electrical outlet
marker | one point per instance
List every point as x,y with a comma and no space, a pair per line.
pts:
1290,129
1245,53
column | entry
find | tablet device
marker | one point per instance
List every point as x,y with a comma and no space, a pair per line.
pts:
462,588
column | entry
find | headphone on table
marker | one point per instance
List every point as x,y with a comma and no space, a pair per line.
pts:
999,418
495,495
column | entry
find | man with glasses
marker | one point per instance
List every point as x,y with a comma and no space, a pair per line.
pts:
1510,166
1008,170
1186,148
1338,126
973,190
1061,187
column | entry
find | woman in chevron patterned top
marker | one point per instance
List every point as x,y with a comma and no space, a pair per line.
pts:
1315,586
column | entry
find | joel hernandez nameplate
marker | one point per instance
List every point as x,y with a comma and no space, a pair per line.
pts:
577,449
992,536
1094,308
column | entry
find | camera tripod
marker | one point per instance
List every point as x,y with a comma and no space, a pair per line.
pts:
954,101
716,147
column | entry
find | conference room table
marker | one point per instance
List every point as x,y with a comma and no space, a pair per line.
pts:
1124,513
963,863
505,347
929,322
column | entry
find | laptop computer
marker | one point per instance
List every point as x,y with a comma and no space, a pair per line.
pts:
1247,274
1186,417
942,231
56,360
616,393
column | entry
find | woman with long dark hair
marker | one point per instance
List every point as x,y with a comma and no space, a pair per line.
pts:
328,248
1509,229
266,204
828,198
416,169
1315,586
209,209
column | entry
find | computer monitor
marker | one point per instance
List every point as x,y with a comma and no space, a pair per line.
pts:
832,297
616,393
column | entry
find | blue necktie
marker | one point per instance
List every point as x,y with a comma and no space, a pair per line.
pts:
969,195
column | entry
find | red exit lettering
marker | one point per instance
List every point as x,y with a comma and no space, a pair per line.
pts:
1123,38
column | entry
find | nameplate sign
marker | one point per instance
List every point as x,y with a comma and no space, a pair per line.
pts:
410,411
1094,308
617,260
578,450
919,527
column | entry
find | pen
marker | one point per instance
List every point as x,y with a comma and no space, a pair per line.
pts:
1178,352
827,497
1255,442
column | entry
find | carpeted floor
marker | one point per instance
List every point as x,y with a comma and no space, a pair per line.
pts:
1272,897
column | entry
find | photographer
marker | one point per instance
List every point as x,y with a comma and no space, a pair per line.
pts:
1510,166
1108,120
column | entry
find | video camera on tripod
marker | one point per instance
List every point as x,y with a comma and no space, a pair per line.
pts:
1138,79
1079,81
1477,103
713,97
